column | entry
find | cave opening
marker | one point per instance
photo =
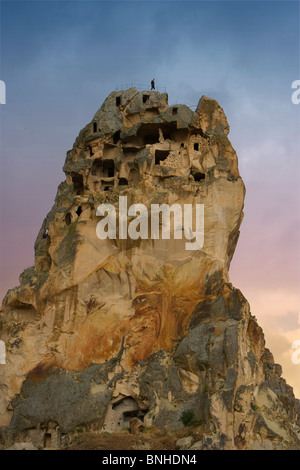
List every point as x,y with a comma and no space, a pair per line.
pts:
103,168
108,168
149,133
150,139
125,410
77,180
68,218
47,440
199,176
160,156
116,137
167,135
97,167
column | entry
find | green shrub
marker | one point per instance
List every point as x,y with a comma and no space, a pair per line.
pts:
188,418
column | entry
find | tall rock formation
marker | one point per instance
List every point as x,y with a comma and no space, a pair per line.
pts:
100,331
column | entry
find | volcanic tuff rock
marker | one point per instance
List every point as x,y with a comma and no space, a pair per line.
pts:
103,331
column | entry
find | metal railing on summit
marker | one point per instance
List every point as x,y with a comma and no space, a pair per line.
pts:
191,106
140,87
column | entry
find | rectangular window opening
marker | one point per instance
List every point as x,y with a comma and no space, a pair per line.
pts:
47,440
78,185
108,168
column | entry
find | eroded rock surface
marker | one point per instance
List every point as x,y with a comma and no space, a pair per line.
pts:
101,332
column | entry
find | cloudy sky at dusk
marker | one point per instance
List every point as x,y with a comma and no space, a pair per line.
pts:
60,59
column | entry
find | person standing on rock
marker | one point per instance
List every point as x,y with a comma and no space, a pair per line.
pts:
153,84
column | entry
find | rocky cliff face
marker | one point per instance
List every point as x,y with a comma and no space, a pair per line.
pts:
101,331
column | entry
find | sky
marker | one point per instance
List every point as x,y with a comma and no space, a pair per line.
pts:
59,61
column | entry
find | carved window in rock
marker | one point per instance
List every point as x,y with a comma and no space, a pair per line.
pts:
47,440
116,137
103,168
125,410
68,218
108,168
160,156
77,180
